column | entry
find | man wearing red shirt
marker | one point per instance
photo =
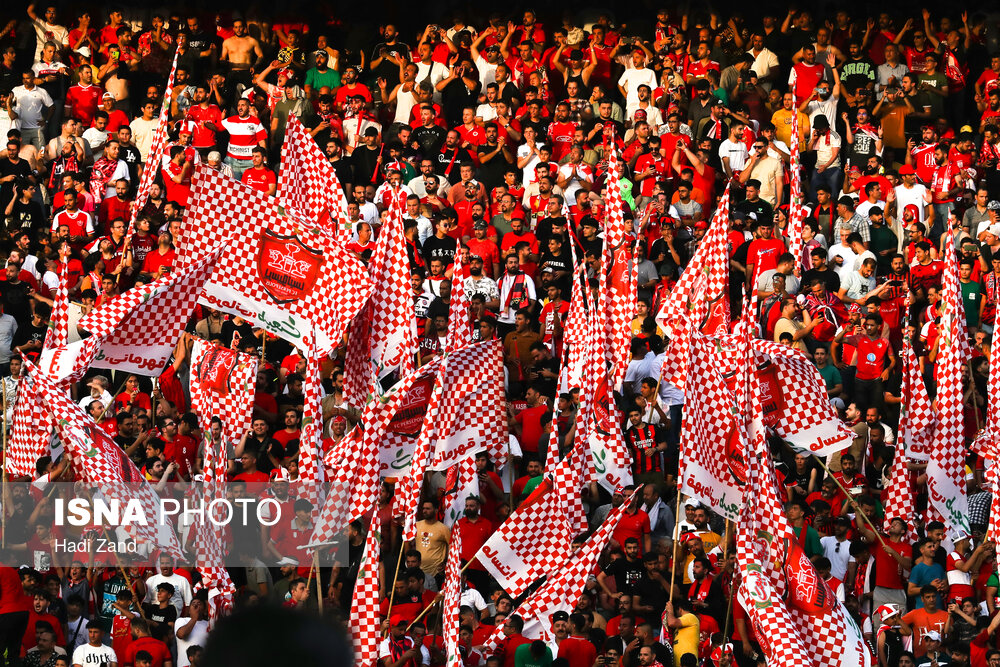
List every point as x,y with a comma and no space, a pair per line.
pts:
874,361
291,430
764,251
84,98
921,157
81,225
577,648
115,207
527,422
471,134
925,272
205,118
561,131
889,586
161,260
158,651
177,176
259,177
699,69
806,75
180,447
634,521
475,530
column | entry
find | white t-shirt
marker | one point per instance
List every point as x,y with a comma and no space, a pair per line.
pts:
528,173
88,655
182,589
630,80
864,207
198,637
915,195
737,153
849,256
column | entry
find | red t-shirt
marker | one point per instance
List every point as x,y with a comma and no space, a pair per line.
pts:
806,79
202,137
872,355
259,179
182,451
632,525
157,649
577,651
561,138
474,536
177,192
888,573
924,162
83,102
764,253
531,427
154,260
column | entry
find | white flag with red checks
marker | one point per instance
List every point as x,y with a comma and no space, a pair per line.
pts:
211,530
138,330
713,447
452,599
530,543
222,385
609,455
946,467
916,421
899,494
393,327
364,620
409,488
307,184
155,155
577,329
461,483
276,272
459,324
618,275
796,616
987,441
562,590
310,468
358,370
102,463
796,211
700,300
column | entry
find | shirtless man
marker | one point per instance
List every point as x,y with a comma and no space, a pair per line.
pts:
243,53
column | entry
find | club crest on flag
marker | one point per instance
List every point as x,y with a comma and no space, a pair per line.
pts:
214,370
413,407
806,589
288,267
621,258
603,400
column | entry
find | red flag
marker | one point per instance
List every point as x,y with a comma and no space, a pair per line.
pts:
222,385
364,620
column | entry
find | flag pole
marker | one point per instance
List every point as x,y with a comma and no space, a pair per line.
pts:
673,547
852,501
439,596
729,606
319,586
399,561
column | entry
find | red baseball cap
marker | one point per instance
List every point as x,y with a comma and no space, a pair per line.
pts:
907,170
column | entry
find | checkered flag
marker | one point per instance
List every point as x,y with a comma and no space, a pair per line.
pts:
364,621
452,596
222,385
310,469
155,155
796,211
577,327
533,540
461,483
393,327
618,275
987,442
276,272
946,467
713,447
357,362
409,488
899,495
307,184
355,461
101,462
58,333
565,584
795,401
917,422
700,300
139,329
459,324
211,537
796,617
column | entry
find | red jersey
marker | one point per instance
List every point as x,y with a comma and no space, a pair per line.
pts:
942,181
202,137
661,170
474,536
927,275
157,649
763,254
806,78
154,260
561,138
83,102
924,162
475,137
259,179
699,70
79,222
182,451
177,192
872,355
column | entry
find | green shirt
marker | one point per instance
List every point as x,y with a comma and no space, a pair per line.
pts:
972,296
811,544
317,79
523,657
924,98
830,375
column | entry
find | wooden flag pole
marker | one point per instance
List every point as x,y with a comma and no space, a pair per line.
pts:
852,502
673,547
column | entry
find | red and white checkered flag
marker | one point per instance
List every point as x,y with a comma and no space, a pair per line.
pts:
307,184
364,621
796,211
211,531
58,333
393,327
917,423
452,597
713,447
102,463
618,275
459,324
796,617
899,495
987,441
222,385
576,329
310,469
946,467
530,543
409,488
563,588
139,329
700,300
155,155
358,371
281,274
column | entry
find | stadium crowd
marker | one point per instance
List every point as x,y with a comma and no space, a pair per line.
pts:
497,130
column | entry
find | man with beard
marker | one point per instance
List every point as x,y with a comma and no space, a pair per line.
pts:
626,572
478,282
474,531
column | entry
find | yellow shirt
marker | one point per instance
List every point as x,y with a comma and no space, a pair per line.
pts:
432,543
686,637
782,121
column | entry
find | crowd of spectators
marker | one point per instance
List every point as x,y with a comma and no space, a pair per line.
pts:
497,130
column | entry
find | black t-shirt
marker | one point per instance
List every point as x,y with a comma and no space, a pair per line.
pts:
132,158
430,139
439,248
28,332
628,576
28,217
490,173
161,617
364,161
8,168
16,302
447,162
345,173
763,210
829,276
